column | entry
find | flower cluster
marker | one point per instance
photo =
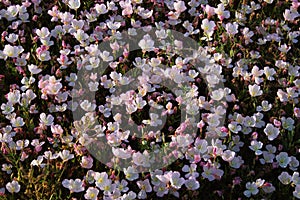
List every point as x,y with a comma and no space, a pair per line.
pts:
223,119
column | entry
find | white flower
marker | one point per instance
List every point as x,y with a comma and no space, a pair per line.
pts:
91,193
179,6
268,1
192,184
46,120
265,106
141,159
105,55
234,127
287,123
101,179
73,185
12,51
34,69
228,155
87,106
192,171
38,162
43,33
232,29
12,37
251,189
208,27
144,13
101,9
144,187
271,131
13,187
217,94
17,122
296,193
147,44
236,162
296,178
74,4
285,178
80,35
176,181
256,146
255,90
7,168
131,173
283,159
122,153
65,155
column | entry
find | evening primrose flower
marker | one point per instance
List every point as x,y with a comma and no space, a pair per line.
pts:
7,108
38,162
271,131
73,4
144,188
12,51
287,123
34,69
179,6
251,189
46,120
161,189
65,155
296,193
234,127
265,106
192,184
100,179
283,159
255,90
228,155
73,185
192,170
294,164
17,122
256,146
285,178
91,193
86,162
232,28
12,38
208,27
13,187
221,12
175,180
131,173
7,168
146,44
236,162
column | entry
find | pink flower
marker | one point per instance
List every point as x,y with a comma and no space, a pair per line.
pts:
87,162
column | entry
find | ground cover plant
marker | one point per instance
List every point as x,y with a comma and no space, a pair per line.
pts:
149,99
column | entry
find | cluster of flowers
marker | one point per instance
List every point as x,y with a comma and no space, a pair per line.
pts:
258,94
